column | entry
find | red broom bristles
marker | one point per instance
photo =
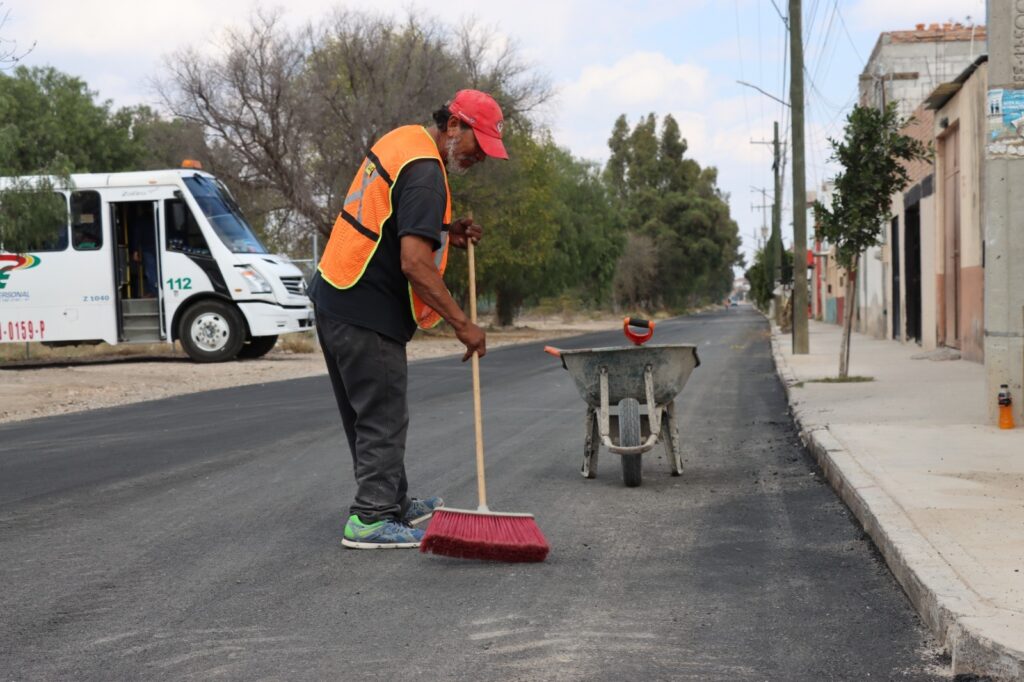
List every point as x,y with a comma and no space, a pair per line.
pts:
488,536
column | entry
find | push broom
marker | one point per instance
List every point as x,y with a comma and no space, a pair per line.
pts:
481,533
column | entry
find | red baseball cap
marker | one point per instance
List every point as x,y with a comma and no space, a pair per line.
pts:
483,114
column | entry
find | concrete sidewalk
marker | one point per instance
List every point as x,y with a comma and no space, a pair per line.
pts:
939,491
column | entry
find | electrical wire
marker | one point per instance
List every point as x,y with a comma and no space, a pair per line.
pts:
842,22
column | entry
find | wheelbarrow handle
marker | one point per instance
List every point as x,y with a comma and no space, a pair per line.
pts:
551,350
640,323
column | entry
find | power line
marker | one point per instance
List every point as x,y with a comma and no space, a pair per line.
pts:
760,64
824,44
842,22
739,49
785,21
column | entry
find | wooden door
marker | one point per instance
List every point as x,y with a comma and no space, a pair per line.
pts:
951,238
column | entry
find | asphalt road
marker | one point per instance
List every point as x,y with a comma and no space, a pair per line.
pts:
197,537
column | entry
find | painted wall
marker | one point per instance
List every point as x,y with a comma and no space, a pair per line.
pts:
906,67
871,301
929,302
964,113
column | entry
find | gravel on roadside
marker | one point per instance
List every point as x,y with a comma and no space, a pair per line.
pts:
55,386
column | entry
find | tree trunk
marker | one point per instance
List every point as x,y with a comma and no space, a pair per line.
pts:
844,347
506,306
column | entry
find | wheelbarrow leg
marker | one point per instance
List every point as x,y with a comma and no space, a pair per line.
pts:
670,436
591,445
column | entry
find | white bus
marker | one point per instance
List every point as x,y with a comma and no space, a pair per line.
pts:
148,257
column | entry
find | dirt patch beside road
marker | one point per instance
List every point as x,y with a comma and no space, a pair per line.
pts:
60,386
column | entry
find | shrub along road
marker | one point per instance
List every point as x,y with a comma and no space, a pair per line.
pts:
197,537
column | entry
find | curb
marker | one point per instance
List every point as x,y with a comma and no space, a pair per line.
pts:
943,601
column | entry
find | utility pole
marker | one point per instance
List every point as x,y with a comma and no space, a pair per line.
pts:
763,206
774,256
776,249
1002,176
796,101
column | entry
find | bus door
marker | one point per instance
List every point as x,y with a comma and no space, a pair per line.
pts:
137,267
91,312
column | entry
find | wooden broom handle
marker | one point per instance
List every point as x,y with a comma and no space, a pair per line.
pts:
481,485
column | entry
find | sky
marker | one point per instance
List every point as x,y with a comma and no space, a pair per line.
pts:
680,57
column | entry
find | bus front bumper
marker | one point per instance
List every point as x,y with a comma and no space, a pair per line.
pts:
271,320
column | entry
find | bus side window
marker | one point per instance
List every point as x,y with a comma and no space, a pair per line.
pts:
55,236
183,233
86,221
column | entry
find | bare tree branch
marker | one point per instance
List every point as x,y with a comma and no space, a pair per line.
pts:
297,110
9,54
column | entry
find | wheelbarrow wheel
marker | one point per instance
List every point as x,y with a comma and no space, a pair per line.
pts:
629,436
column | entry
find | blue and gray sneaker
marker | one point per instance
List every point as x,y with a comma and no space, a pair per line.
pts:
421,510
380,535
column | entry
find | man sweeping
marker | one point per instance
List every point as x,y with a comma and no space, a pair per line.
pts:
379,279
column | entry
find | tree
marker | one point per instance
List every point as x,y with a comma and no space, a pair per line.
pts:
589,239
636,273
872,155
615,170
51,126
677,206
516,202
297,110
51,121
168,142
759,275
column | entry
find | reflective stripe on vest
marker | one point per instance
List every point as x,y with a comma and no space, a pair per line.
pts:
368,205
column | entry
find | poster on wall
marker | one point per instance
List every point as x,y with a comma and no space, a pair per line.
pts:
1006,114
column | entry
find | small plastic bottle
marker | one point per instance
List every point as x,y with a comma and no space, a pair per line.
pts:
1005,407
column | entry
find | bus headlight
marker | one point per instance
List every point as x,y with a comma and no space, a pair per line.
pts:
257,283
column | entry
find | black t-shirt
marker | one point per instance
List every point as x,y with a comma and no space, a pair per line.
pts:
380,299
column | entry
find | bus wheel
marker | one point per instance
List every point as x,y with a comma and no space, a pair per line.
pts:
257,347
211,331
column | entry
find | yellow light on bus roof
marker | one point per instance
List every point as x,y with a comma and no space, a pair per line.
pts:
191,163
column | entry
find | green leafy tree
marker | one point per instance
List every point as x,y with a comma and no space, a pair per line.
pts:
676,205
50,121
516,203
615,170
549,229
872,155
51,125
759,275
589,240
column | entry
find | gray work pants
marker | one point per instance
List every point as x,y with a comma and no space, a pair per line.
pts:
369,374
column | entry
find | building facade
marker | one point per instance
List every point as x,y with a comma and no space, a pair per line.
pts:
960,131
910,245
907,67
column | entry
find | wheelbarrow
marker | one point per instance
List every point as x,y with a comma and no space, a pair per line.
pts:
626,377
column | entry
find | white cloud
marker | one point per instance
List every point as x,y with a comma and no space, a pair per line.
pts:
641,79
635,85
115,26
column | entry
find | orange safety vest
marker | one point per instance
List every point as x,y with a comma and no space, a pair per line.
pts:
357,230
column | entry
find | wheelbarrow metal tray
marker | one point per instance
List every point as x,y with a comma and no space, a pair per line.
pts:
671,365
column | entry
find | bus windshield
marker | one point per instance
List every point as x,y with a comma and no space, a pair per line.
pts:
224,214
